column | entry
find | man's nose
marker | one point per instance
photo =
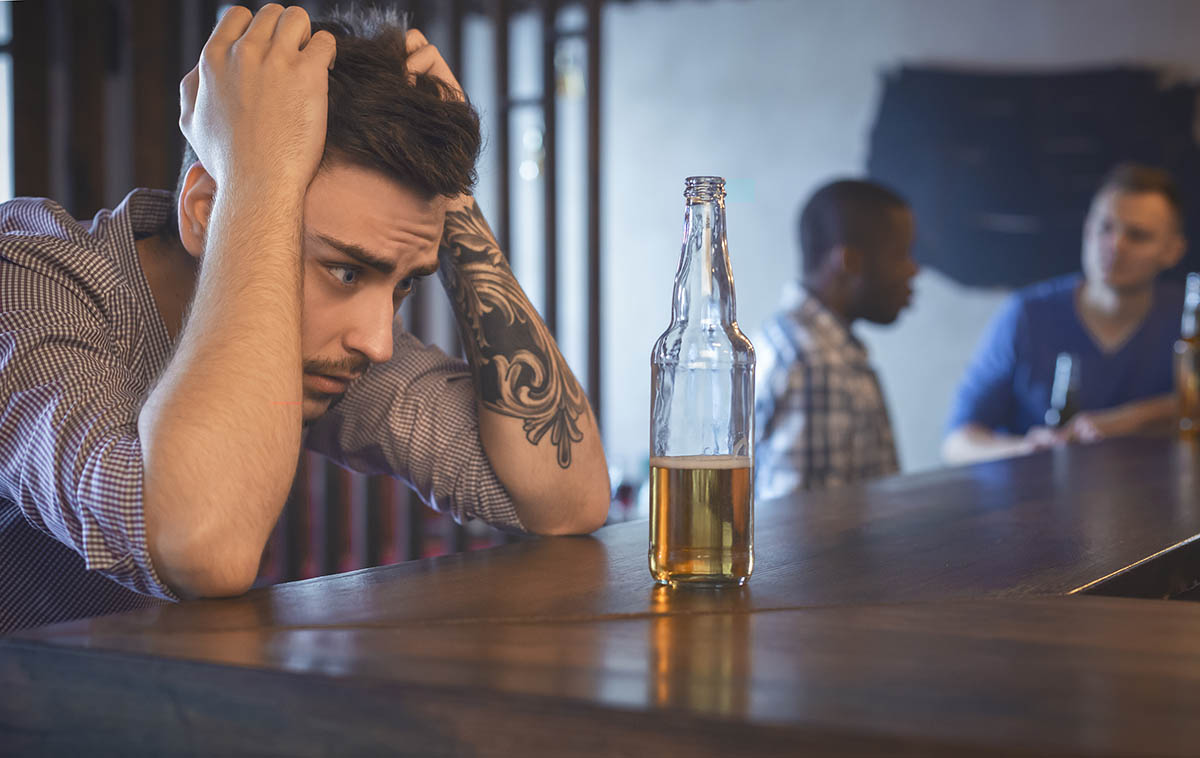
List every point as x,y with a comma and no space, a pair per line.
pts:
371,332
1121,241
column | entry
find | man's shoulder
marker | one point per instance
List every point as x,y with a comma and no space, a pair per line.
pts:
43,249
1049,293
1048,302
24,217
792,336
36,229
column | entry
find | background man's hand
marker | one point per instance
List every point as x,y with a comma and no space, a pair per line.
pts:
1093,426
256,103
1043,438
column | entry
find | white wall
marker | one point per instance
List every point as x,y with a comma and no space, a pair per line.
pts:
778,96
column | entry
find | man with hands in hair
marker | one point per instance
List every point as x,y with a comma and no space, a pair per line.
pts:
162,366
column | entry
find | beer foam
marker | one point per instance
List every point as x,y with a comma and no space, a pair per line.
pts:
701,461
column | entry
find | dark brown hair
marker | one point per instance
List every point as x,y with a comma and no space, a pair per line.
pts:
1139,178
849,212
412,129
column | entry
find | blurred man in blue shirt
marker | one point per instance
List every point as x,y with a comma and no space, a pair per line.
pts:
1116,319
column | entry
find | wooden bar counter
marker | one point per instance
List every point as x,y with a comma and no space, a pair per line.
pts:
954,612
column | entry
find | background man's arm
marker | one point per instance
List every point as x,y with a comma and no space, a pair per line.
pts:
535,422
1152,415
972,443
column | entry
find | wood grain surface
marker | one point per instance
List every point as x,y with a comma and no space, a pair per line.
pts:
921,615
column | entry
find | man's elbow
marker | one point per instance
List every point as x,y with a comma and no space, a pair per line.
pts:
592,514
195,568
583,513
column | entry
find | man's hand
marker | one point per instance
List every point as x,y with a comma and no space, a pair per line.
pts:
1155,415
257,101
1093,426
972,443
424,58
1043,438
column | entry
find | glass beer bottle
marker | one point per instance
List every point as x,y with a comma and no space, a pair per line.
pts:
1187,361
702,413
1064,394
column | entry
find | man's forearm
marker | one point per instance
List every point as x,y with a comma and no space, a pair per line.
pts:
973,443
221,430
1155,414
535,421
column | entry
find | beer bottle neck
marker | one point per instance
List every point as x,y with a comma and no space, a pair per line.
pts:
1191,308
704,283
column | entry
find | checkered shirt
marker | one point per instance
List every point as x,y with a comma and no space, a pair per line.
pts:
81,344
820,415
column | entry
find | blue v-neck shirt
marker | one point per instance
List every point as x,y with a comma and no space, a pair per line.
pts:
1007,384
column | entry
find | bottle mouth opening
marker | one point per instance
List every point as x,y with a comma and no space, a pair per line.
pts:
704,188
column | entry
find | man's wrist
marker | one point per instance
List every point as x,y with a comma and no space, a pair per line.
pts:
269,213
463,202
257,188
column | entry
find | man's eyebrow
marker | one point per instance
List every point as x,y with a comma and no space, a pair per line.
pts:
358,253
423,272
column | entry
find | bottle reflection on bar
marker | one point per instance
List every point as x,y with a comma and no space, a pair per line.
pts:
1187,362
700,661
1064,394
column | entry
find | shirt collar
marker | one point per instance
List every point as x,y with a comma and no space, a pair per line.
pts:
824,326
149,211
143,213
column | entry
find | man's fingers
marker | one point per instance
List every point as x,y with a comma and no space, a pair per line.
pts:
293,30
428,60
414,40
189,85
423,60
264,23
323,48
231,26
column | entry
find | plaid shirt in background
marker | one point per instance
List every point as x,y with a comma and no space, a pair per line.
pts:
819,413
81,343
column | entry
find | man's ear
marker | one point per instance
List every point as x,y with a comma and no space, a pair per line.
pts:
851,259
1178,246
195,207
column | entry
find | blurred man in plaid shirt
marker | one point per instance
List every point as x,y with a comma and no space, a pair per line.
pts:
821,417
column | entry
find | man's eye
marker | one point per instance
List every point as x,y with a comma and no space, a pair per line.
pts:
344,274
406,285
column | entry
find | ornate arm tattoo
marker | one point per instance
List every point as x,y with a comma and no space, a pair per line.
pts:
518,369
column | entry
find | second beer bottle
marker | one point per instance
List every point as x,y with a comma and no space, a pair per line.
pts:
702,412
1187,361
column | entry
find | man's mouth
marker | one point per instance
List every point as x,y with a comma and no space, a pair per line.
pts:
328,384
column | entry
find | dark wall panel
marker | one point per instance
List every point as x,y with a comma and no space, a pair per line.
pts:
1000,168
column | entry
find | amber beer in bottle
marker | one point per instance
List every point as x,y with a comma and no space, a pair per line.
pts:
1187,361
702,413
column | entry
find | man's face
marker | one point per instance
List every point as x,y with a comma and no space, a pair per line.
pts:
1128,238
886,286
366,241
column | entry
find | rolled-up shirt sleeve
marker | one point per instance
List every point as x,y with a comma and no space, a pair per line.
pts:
70,457
415,417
